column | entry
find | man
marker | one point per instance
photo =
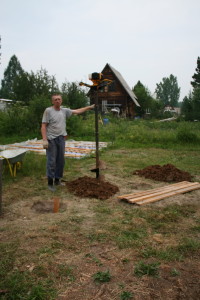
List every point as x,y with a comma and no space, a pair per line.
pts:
54,134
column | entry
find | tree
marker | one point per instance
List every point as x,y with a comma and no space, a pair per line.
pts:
24,87
27,86
168,91
13,70
187,107
143,98
146,101
196,76
44,84
190,107
196,103
73,96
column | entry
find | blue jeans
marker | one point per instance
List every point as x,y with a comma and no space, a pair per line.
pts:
56,157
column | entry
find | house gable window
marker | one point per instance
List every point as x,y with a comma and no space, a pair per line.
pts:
112,87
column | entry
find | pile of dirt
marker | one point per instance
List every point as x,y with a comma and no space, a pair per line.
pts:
92,187
168,173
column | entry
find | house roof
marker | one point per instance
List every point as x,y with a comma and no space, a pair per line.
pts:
5,100
123,83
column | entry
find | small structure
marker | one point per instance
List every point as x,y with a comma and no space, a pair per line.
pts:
4,103
117,95
173,110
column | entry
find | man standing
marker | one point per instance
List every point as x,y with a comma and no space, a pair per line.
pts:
54,134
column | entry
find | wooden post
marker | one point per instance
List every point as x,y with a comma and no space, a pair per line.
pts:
1,171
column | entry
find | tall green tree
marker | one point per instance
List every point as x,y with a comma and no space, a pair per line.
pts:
24,87
168,91
190,107
196,77
187,107
143,97
13,70
44,84
196,103
27,86
73,95
148,105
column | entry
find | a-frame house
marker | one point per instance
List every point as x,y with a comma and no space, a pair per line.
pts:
118,95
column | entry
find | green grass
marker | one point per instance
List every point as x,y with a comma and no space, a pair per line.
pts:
168,254
132,133
92,233
97,237
102,276
129,238
186,247
175,272
22,285
189,246
195,229
66,272
93,258
125,295
150,269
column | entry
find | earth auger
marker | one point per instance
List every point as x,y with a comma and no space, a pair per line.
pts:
98,83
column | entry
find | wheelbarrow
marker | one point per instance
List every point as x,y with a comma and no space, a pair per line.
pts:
13,158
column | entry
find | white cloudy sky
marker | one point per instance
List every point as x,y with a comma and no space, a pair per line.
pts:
144,40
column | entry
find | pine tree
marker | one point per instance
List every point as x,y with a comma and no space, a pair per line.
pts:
13,70
168,91
196,76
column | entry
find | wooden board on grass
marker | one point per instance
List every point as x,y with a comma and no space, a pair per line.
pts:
149,196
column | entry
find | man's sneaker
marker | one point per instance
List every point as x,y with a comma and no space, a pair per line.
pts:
58,182
51,188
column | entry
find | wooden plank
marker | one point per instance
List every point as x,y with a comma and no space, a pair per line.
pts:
26,147
70,149
172,194
153,190
181,191
164,191
148,196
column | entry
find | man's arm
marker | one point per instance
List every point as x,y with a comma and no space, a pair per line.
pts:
44,131
82,110
44,135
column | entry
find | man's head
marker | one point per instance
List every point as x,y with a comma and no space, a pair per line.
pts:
56,101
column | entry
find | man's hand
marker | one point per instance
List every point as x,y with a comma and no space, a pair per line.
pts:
45,144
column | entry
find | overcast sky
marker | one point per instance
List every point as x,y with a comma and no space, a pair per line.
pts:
144,40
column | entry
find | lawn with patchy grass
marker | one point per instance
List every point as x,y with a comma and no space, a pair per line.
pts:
100,249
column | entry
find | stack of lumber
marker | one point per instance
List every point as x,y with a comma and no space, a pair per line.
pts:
149,196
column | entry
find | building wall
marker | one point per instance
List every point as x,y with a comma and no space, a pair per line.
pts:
115,95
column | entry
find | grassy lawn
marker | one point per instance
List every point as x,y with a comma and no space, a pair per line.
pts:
104,249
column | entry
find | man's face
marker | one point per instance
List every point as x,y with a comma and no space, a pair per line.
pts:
57,101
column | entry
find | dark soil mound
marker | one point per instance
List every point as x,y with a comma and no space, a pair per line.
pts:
168,173
92,187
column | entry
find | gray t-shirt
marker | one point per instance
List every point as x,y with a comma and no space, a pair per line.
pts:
56,121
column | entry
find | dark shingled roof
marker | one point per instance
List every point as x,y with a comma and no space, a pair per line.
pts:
123,83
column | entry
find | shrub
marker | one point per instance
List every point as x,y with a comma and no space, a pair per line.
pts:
186,136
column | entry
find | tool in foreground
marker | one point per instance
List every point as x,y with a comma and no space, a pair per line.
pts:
99,82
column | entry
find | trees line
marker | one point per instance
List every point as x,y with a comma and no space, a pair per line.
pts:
33,90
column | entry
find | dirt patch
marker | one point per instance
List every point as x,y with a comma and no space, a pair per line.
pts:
48,206
92,187
180,285
167,173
